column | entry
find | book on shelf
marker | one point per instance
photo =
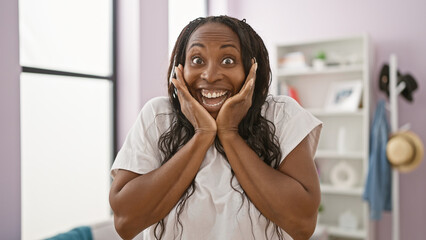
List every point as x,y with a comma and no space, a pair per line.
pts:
290,91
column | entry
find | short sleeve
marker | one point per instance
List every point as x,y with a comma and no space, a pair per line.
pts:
139,152
292,122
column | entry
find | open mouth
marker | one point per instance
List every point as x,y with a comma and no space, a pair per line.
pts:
213,99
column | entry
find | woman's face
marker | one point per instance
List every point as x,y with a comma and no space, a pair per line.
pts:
213,66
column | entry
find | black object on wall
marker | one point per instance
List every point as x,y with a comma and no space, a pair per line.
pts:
410,83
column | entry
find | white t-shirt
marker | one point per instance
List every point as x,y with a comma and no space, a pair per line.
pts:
214,211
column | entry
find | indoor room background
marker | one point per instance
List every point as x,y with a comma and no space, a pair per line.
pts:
143,43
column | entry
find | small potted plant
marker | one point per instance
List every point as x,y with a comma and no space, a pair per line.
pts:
319,61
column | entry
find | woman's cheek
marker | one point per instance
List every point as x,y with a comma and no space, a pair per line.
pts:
187,75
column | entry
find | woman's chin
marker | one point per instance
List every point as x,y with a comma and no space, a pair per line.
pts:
213,110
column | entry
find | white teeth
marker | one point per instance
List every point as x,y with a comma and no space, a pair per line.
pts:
214,105
214,95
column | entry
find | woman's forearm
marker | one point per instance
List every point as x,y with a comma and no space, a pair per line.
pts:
278,196
148,198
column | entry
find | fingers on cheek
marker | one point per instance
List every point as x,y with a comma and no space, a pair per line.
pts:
254,70
251,83
179,70
177,74
249,88
253,75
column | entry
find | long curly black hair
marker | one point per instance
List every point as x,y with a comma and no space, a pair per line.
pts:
258,132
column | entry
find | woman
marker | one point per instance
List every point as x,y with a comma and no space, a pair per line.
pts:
218,159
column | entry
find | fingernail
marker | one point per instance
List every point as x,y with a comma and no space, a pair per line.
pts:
255,67
254,60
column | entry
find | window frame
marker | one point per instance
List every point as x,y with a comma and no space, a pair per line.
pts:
112,77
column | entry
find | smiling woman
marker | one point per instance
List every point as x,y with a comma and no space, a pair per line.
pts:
219,159
214,69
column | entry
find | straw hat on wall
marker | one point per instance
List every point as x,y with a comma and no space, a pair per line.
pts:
404,151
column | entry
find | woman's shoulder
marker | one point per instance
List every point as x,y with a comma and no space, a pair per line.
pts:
154,109
158,105
281,100
280,107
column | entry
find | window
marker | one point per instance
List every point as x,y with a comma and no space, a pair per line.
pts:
67,109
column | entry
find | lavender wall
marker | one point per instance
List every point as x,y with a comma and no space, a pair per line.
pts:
154,51
142,58
394,27
128,67
10,170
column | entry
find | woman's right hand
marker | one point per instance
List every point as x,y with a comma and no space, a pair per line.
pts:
197,115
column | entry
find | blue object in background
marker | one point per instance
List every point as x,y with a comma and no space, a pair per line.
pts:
378,191
80,233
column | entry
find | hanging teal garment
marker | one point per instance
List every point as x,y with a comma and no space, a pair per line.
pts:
379,183
79,233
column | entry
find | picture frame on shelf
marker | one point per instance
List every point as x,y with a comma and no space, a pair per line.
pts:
344,96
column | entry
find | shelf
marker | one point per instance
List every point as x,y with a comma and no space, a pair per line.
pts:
336,154
342,232
330,189
320,112
345,134
327,70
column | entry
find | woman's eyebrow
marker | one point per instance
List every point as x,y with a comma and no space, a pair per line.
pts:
229,45
221,47
196,45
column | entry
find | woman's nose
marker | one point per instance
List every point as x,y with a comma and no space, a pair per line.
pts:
211,73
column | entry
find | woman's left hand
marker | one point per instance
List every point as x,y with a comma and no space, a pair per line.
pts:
236,107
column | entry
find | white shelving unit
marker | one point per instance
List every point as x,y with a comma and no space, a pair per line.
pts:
345,134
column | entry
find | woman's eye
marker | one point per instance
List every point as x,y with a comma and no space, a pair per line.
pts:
197,60
227,61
